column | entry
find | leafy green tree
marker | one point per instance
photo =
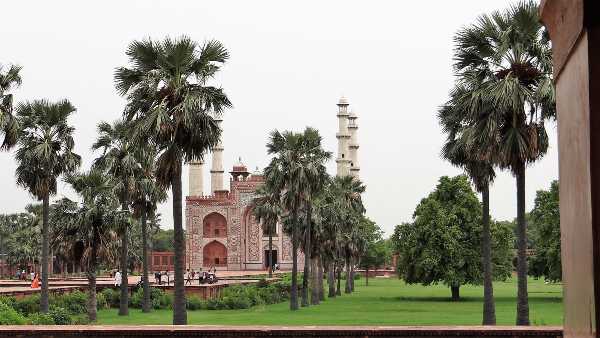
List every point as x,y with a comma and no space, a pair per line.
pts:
443,242
376,254
545,226
44,153
91,224
162,240
505,58
21,236
172,107
9,125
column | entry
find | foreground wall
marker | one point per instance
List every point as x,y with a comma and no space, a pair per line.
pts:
270,331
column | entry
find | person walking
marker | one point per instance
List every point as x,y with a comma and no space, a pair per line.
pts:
118,278
35,282
188,277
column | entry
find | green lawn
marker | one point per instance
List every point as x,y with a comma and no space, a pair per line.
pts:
383,302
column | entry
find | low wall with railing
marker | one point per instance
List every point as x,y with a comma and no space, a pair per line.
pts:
274,331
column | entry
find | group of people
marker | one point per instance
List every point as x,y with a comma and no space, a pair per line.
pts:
158,277
33,276
203,276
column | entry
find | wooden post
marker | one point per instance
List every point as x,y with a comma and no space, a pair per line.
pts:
574,29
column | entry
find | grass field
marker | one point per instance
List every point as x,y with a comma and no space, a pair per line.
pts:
383,302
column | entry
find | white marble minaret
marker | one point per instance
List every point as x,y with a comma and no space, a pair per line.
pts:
343,137
196,178
216,171
353,146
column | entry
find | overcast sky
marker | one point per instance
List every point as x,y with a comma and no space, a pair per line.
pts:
290,63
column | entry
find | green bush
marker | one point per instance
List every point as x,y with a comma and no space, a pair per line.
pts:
195,303
8,300
41,319
74,302
236,302
81,319
159,299
60,315
262,283
112,297
28,305
215,304
9,316
102,301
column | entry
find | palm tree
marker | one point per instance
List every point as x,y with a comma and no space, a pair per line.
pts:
348,190
9,125
119,159
296,173
91,224
506,56
146,195
468,151
267,211
44,153
171,105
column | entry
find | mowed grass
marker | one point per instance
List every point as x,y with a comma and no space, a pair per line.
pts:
383,302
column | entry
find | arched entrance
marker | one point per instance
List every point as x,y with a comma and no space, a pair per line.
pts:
214,254
214,225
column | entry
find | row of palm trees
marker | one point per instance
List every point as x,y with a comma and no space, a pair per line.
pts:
169,119
323,216
495,118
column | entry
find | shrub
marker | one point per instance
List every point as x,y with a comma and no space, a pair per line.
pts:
8,300
41,319
195,303
215,304
74,302
236,302
262,283
28,305
81,319
158,298
8,316
102,301
60,315
112,297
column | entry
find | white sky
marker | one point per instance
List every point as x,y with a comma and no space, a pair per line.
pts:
289,65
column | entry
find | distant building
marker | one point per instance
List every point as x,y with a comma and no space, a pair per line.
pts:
221,230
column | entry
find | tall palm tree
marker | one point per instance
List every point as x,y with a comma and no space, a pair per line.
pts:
44,153
466,150
506,56
9,125
172,106
146,196
267,212
348,190
90,224
119,159
296,173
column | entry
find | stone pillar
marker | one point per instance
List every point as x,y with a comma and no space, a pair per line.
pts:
343,137
196,178
216,172
353,146
574,29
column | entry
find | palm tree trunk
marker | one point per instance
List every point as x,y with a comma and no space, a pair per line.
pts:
146,282
91,274
522,298
331,280
320,278
124,300
489,311
307,260
338,291
294,288
179,301
270,258
367,276
351,275
45,251
314,270
347,287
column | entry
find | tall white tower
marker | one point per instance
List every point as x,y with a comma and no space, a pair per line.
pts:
216,171
343,137
353,146
196,178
